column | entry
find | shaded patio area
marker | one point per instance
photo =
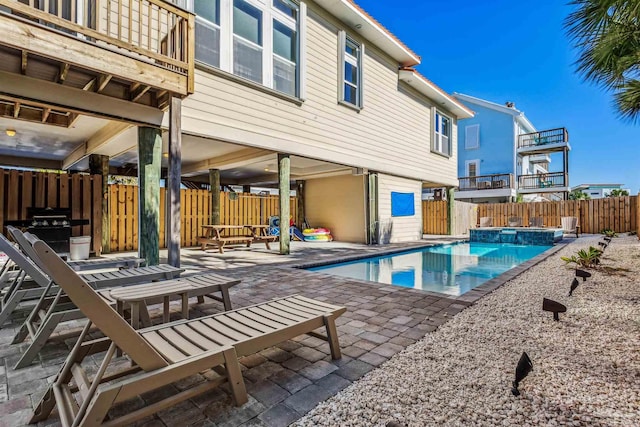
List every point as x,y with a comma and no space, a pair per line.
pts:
284,382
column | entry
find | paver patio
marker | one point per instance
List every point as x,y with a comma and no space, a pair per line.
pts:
283,382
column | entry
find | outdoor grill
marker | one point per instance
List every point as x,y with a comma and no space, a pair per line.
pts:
52,225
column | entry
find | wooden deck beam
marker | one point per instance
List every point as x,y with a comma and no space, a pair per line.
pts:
64,71
232,160
23,65
93,144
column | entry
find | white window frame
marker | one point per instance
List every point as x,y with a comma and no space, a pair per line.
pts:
436,145
468,163
269,13
470,129
343,58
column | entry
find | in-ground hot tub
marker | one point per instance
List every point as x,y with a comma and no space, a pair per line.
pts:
516,235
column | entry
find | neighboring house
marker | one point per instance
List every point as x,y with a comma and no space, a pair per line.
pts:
501,154
252,93
598,191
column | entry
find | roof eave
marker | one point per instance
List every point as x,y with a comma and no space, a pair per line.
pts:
361,23
433,92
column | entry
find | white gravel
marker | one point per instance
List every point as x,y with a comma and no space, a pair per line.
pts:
586,367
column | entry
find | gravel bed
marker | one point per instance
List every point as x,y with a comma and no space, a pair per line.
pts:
586,366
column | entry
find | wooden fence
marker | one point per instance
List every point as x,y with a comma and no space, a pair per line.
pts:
80,193
434,217
614,213
195,211
621,214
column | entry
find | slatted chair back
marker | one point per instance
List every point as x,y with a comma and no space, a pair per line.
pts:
536,221
26,247
98,311
27,265
515,221
486,221
569,223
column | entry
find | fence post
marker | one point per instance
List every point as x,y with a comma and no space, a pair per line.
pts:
638,215
451,218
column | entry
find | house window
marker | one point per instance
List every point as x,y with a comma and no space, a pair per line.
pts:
351,53
207,31
258,40
472,137
442,134
473,167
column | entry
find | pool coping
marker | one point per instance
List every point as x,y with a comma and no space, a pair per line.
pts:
468,298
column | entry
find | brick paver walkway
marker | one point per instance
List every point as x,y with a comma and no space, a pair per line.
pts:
284,382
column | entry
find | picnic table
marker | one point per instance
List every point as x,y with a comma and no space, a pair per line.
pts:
213,236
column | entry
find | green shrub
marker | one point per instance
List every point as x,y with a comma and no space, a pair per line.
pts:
609,233
587,258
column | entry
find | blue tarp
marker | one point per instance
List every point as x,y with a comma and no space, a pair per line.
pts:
402,204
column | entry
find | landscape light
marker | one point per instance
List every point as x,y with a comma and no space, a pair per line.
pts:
394,424
523,368
583,274
574,285
608,239
554,307
603,245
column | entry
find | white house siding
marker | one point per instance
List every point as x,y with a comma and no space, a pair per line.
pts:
402,228
391,134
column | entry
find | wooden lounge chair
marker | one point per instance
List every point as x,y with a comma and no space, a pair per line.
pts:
536,221
98,263
486,221
30,290
569,224
168,353
515,221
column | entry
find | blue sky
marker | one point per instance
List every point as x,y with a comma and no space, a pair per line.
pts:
518,51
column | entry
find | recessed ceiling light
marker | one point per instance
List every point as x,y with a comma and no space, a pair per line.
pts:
165,155
266,169
10,132
358,26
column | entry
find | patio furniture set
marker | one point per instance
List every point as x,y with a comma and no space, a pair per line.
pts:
56,293
218,236
569,224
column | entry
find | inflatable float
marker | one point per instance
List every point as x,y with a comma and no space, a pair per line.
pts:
317,235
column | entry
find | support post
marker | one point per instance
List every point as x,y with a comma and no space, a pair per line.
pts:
284,187
451,218
99,165
172,220
373,234
149,163
214,182
300,198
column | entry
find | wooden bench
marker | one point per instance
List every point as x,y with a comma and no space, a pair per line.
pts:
213,237
260,234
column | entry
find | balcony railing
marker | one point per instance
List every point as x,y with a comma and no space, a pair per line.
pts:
486,182
542,181
152,31
545,137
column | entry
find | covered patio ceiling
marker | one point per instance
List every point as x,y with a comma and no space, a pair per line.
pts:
30,143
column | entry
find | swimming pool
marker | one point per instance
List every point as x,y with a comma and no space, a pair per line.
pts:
449,269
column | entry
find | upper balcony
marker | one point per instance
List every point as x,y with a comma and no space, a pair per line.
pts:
546,141
497,185
140,51
552,182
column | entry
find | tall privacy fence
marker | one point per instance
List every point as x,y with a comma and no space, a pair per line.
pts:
621,214
82,194
195,211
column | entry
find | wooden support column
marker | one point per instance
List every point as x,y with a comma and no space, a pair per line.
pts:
373,235
214,182
300,197
284,187
99,165
451,217
149,165
173,183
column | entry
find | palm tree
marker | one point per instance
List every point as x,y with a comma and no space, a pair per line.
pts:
579,195
618,192
607,35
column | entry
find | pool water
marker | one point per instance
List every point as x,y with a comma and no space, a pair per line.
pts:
449,269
